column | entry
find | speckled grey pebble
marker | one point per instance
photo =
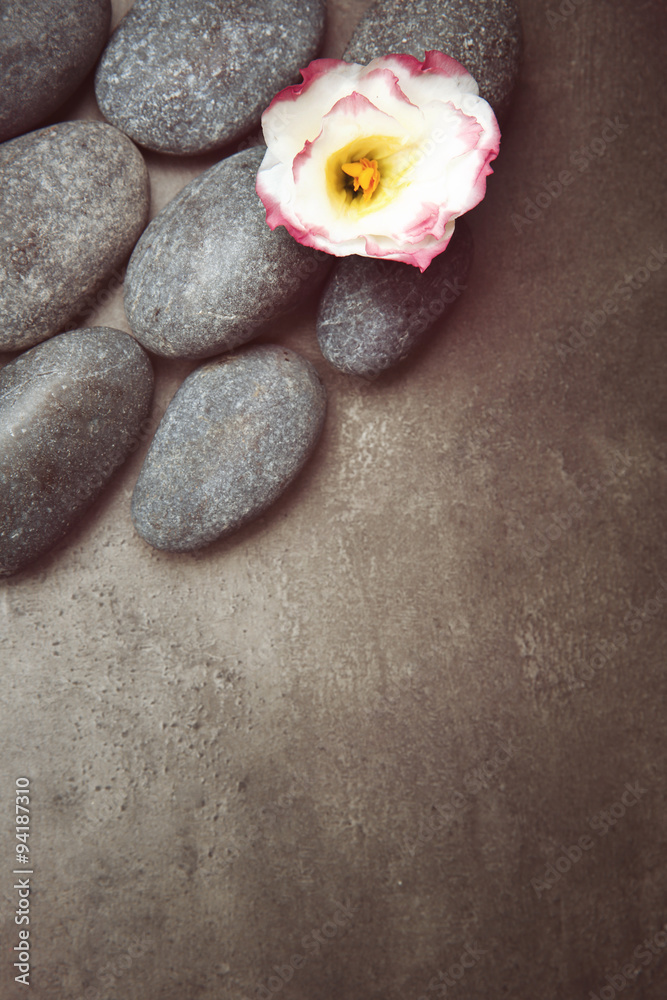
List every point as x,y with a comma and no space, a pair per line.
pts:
74,201
70,413
46,49
373,313
234,436
483,35
208,272
186,76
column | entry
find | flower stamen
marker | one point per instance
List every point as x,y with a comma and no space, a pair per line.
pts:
365,175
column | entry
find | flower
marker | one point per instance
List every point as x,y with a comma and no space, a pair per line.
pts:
377,160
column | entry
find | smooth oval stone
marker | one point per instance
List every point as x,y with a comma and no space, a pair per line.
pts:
70,413
234,436
483,35
373,313
208,272
46,49
186,76
75,199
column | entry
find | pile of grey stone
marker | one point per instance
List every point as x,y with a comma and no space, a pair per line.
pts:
205,277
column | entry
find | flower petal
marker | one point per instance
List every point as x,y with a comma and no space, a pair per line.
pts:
287,126
377,160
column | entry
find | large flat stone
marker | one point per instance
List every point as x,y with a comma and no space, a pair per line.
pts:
70,413
187,76
208,274
46,49
75,200
235,435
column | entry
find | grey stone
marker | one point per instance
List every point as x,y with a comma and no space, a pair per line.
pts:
75,199
483,35
70,413
375,312
46,49
208,272
186,76
235,435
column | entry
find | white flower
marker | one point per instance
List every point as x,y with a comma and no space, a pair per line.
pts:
377,160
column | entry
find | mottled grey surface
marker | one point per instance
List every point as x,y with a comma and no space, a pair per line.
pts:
74,201
222,743
70,413
208,272
483,35
373,313
46,49
186,76
235,435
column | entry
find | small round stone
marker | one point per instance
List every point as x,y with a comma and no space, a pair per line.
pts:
483,35
70,413
208,272
75,199
186,76
46,49
234,436
373,313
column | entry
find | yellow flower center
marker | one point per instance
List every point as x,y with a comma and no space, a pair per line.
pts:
365,175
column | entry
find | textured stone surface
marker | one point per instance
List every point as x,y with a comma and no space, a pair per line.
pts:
208,272
484,35
74,201
46,49
221,743
186,76
373,313
235,435
70,413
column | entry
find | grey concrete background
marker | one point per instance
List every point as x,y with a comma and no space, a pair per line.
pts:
224,747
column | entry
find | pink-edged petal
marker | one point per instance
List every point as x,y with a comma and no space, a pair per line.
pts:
432,220
278,215
301,159
275,212
313,72
434,62
355,104
443,65
436,78
467,180
419,256
388,79
295,114
470,132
